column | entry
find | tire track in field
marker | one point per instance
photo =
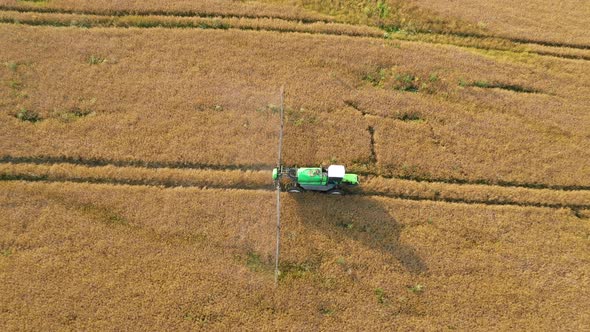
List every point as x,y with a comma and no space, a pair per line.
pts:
481,182
130,182
303,27
93,162
173,13
526,41
186,181
575,208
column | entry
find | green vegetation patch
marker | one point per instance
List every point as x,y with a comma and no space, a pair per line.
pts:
36,2
28,115
255,263
11,65
297,270
380,295
377,76
300,117
400,80
417,289
406,82
14,84
270,108
102,214
391,16
410,116
73,114
483,84
96,60
326,311
5,252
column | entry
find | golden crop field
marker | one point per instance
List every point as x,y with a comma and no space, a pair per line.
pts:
81,257
137,140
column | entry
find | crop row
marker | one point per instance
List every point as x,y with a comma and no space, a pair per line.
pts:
245,179
138,175
87,20
472,193
145,21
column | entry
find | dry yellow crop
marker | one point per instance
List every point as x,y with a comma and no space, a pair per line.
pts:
210,96
178,7
253,179
179,22
476,193
83,256
431,22
539,20
137,140
161,176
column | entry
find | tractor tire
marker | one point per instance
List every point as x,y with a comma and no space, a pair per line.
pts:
291,188
335,192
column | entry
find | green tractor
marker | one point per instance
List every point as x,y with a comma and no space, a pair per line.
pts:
332,180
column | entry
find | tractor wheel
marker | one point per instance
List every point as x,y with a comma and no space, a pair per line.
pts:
335,192
291,188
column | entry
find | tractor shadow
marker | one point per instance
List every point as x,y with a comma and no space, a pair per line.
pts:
362,219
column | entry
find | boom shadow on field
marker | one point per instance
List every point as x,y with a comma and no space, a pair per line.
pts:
360,218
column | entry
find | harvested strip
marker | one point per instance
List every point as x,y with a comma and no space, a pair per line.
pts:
268,24
261,179
137,175
368,172
476,193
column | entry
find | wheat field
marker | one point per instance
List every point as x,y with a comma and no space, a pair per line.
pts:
137,140
82,257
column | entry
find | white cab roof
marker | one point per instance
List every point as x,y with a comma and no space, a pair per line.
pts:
336,171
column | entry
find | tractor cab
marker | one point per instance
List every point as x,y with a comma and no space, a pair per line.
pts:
335,173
